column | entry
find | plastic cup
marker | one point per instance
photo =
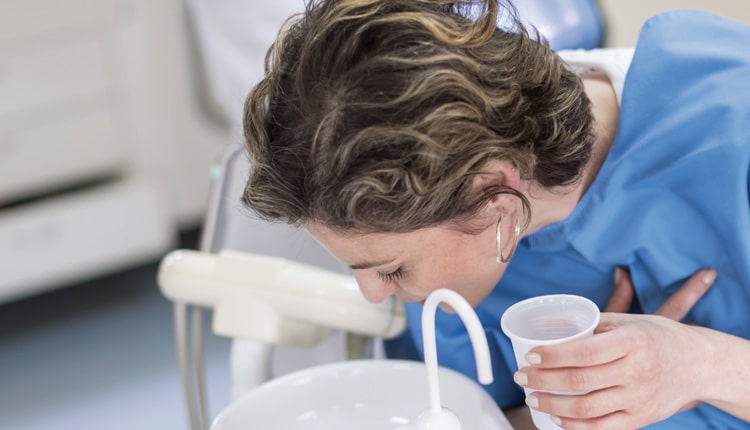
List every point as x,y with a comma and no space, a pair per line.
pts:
547,320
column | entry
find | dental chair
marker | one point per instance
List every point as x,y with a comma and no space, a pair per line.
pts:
306,342
267,322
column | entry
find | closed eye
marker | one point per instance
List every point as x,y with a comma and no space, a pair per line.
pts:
392,276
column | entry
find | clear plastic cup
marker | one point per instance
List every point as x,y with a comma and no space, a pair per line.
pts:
547,320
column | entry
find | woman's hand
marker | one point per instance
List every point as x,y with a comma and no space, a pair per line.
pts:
638,369
675,308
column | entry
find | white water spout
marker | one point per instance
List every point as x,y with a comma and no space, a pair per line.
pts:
438,417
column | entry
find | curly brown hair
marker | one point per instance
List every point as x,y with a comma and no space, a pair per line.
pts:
375,115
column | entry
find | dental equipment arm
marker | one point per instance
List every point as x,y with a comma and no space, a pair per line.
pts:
274,300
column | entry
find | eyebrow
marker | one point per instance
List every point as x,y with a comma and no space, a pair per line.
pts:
369,265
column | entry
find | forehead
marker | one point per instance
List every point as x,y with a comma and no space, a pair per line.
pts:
367,240
348,246
362,250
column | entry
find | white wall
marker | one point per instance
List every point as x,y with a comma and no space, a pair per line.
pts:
623,18
105,147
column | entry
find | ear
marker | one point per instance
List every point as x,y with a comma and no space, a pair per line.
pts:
499,173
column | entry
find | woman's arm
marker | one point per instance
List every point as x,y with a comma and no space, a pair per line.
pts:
729,379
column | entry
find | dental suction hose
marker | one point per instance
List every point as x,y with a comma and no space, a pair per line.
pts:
437,417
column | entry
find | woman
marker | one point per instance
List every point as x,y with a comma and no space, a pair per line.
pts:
427,150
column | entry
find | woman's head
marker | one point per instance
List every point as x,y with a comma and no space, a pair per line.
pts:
378,115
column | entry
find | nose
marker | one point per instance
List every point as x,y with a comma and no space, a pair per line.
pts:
374,289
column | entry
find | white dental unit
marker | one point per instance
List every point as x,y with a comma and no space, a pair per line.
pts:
300,359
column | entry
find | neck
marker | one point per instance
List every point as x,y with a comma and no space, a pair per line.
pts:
549,206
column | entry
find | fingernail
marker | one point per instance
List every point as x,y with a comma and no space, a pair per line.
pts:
555,420
532,402
533,358
521,378
618,275
709,277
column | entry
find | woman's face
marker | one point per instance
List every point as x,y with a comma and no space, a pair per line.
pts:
412,265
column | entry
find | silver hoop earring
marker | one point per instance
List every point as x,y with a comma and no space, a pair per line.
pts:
499,237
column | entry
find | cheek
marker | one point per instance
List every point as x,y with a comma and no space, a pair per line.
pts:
470,260
475,281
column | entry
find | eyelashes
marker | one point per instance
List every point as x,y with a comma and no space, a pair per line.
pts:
392,276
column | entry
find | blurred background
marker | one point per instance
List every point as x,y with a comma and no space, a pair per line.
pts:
113,116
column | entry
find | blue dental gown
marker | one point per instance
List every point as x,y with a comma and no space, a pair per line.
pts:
670,199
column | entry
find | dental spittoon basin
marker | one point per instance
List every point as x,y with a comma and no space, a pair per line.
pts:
378,394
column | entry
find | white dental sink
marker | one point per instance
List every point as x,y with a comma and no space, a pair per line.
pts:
362,395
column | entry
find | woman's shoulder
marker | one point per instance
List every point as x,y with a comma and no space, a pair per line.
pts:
688,20
692,29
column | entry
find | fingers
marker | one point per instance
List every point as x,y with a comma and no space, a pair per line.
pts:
622,295
680,303
588,351
571,379
603,409
592,405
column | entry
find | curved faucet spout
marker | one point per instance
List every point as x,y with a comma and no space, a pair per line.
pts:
476,334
